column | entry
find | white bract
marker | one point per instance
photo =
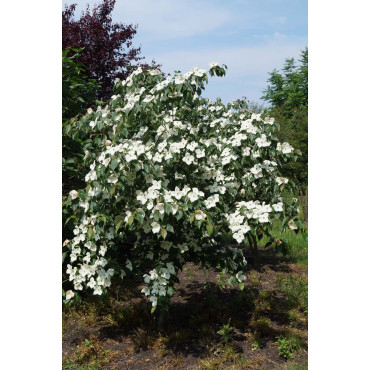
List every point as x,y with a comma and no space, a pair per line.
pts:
170,174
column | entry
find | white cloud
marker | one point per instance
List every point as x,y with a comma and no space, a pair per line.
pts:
248,66
241,60
168,27
164,19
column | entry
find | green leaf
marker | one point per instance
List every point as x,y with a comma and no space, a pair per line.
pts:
167,208
73,216
130,220
113,164
170,228
241,286
119,225
233,280
269,243
192,218
90,233
153,309
140,217
163,233
209,228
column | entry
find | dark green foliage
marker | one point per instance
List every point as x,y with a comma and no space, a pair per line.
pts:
287,93
289,87
78,94
78,90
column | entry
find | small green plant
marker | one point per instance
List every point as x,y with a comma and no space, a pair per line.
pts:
221,281
226,332
287,346
189,272
296,290
141,338
262,326
255,346
90,354
254,279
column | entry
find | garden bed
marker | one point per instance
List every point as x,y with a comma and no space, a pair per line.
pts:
210,325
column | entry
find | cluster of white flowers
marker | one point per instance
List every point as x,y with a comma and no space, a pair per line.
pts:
174,176
247,212
286,148
157,282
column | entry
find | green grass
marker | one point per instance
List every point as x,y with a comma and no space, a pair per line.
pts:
296,290
298,243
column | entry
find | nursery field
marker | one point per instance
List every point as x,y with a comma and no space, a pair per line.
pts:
210,325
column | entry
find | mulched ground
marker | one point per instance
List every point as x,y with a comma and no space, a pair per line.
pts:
199,308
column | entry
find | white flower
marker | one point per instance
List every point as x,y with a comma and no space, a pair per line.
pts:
128,265
179,79
154,72
112,179
159,207
200,215
156,227
262,141
281,180
153,299
264,218
69,294
286,148
195,194
211,201
98,290
73,194
238,236
278,207
292,225
145,290
157,157
240,277
177,193
91,176
106,162
246,151
148,98
269,121
188,158
213,64
200,153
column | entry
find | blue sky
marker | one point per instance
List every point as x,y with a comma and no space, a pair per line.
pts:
252,37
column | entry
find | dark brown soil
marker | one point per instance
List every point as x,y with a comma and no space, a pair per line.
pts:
202,304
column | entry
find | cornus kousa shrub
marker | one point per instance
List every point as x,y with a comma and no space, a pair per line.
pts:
170,174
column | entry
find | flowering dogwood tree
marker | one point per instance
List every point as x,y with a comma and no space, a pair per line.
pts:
170,174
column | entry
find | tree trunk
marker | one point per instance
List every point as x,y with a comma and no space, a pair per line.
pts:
162,319
253,247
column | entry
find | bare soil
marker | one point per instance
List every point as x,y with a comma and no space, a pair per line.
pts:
121,332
